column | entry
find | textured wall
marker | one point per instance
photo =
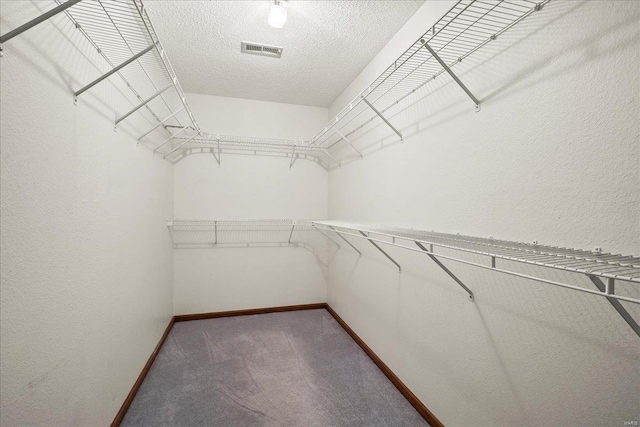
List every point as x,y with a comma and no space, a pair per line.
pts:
85,254
249,187
553,156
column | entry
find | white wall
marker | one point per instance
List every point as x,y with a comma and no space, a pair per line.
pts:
553,156
85,254
249,187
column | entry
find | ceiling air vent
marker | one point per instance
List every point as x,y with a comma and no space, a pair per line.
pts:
261,49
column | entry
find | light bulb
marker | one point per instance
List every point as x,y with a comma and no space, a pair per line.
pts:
278,14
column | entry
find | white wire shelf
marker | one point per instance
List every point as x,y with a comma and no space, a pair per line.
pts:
464,29
122,34
120,30
297,233
227,144
611,267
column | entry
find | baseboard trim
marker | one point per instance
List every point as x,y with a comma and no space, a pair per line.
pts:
136,386
402,388
214,315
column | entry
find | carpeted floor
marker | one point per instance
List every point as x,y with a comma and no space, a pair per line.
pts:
296,368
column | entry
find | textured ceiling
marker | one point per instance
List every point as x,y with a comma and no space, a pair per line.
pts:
326,44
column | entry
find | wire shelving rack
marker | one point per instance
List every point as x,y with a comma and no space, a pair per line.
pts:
604,270
122,34
228,144
234,233
466,27
120,30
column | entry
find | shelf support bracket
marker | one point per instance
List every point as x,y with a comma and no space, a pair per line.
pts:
326,235
169,139
143,103
451,73
383,119
293,157
380,249
348,242
215,228
615,303
213,151
446,270
335,129
114,70
331,157
160,124
291,234
180,145
24,27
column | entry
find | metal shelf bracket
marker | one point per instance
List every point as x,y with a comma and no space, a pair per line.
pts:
160,124
143,103
291,234
326,152
293,157
180,145
446,270
383,119
608,288
348,242
21,29
169,139
451,73
327,236
347,141
112,71
381,250
219,156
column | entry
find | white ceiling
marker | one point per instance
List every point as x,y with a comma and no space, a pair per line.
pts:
326,44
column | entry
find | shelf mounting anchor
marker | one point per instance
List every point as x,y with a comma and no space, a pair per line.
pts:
446,270
384,119
452,74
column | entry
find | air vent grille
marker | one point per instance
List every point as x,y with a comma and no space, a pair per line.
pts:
261,49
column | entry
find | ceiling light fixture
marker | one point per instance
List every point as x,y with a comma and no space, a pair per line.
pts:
278,13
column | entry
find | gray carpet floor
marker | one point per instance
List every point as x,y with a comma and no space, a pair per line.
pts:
295,368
